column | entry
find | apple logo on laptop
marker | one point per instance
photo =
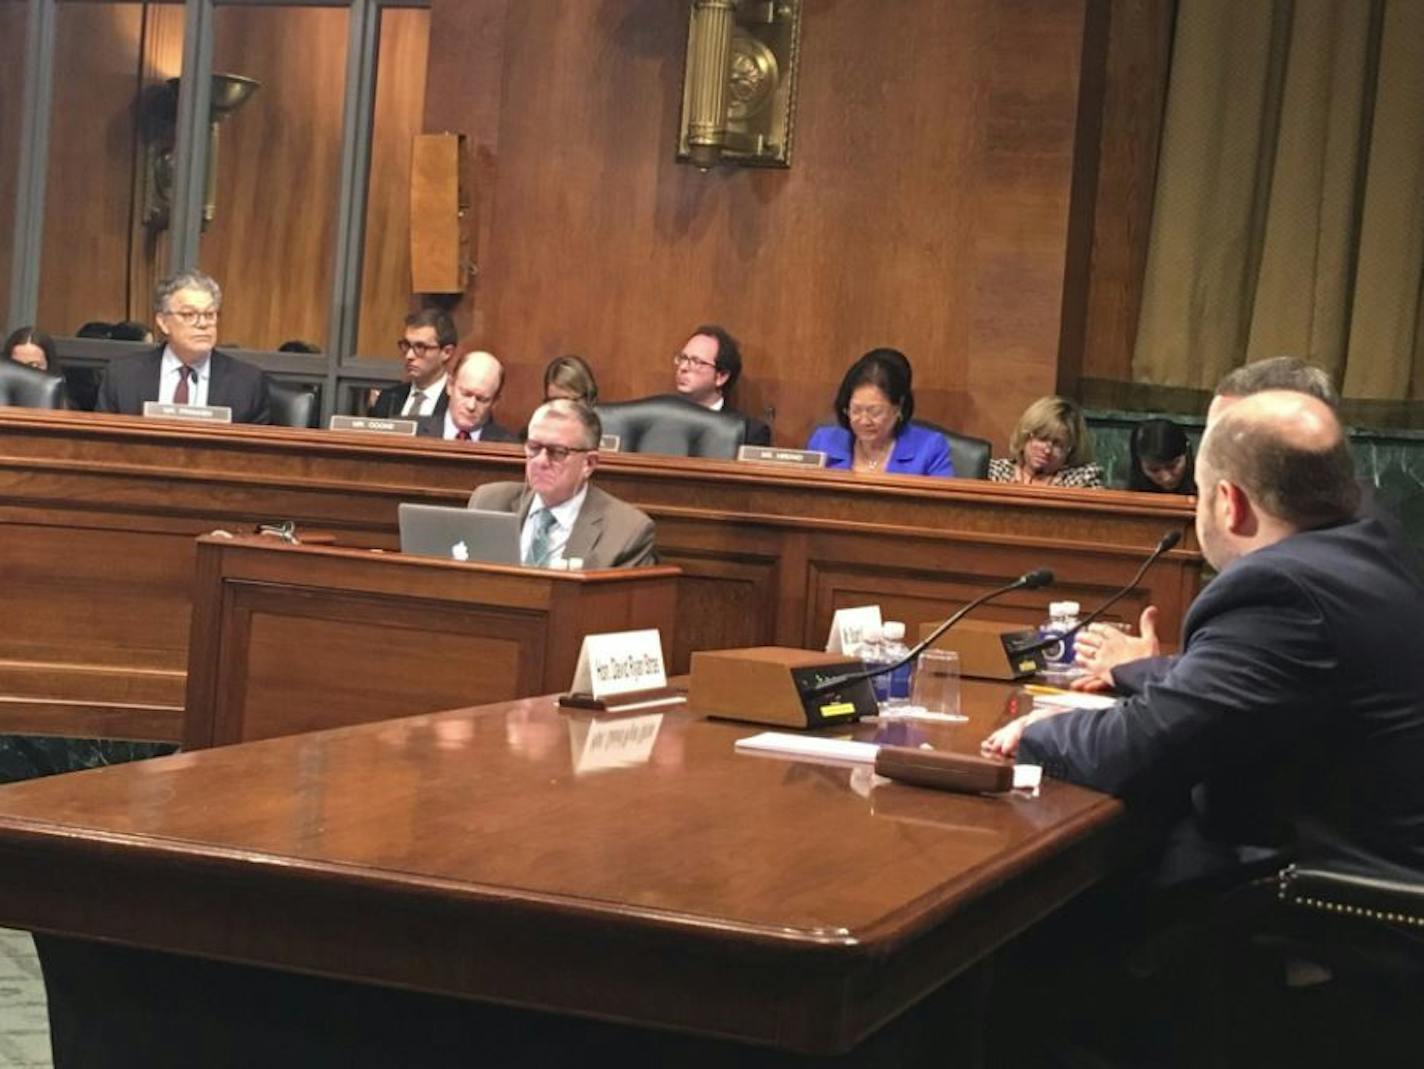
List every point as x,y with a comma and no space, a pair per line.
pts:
460,551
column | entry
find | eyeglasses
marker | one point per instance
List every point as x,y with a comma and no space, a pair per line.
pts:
873,413
419,348
1051,443
688,361
557,454
188,317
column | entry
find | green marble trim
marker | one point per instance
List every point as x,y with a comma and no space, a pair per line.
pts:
1389,419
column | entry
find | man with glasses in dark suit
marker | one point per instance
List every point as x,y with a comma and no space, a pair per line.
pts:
186,369
706,369
426,347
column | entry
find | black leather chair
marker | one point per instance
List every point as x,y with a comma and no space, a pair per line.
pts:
668,424
294,405
970,456
27,387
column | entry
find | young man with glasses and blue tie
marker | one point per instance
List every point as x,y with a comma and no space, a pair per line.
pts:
426,348
186,369
562,517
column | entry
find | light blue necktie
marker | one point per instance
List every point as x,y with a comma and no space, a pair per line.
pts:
539,547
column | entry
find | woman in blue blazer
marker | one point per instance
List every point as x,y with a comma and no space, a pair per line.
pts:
873,408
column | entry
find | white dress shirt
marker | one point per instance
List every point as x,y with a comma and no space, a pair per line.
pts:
428,396
168,379
451,430
565,516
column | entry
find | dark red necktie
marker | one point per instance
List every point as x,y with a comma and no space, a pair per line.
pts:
463,436
180,395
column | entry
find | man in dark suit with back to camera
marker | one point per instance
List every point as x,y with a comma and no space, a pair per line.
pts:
186,370
562,516
1292,723
426,348
473,388
706,369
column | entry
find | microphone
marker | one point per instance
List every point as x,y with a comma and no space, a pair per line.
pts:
1166,542
1039,577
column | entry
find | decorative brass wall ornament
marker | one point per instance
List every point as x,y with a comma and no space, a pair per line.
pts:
159,110
739,84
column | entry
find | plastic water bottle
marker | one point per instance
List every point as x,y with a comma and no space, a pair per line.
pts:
1062,617
872,655
892,648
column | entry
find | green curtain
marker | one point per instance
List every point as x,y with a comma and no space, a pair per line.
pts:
1289,210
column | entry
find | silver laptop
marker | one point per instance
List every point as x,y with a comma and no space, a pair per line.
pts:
459,534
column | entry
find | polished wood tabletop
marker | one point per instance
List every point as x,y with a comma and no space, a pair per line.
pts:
634,868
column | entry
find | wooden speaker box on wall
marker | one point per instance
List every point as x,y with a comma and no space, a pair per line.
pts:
439,259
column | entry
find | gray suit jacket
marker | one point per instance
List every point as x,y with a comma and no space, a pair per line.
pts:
607,534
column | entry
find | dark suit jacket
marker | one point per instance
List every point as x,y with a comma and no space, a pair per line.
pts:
607,534
758,433
391,400
433,426
131,380
1294,715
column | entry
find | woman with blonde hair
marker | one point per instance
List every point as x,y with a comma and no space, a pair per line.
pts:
570,378
1050,446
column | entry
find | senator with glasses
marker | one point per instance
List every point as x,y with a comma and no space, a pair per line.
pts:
875,435
563,518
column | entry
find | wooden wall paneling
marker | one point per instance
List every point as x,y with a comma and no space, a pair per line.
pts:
298,675
272,242
120,668
88,186
12,83
161,58
464,95
304,638
1138,63
80,492
926,206
400,104
1082,198
912,589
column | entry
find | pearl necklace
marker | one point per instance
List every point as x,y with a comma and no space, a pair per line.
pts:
873,462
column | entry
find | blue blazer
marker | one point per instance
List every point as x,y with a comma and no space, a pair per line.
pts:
918,450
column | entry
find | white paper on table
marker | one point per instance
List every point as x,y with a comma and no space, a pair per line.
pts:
1073,699
785,744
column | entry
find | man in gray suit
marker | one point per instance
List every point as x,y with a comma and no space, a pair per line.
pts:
562,517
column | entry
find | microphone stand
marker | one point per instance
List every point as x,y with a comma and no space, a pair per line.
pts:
1167,541
1030,580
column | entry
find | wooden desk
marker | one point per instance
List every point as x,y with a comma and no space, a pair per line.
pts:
769,902
98,516
300,638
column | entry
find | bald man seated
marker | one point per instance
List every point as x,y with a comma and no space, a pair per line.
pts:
475,380
1292,724
562,517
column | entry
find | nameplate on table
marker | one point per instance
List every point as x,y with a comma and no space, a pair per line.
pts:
621,671
609,443
371,425
770,454
848,628
202,413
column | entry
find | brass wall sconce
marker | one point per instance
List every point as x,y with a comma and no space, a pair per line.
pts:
739,84
159,110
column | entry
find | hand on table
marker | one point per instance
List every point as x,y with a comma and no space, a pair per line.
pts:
1005,741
